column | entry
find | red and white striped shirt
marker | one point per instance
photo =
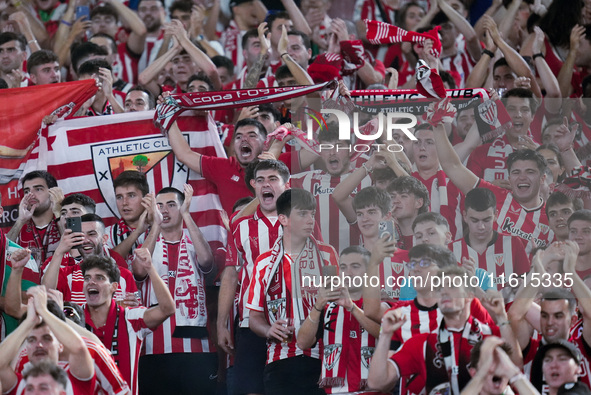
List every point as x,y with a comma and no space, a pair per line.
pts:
529,224
120,231
161,340
151,47
392,270
505,255
251,236
70,280
74,385
333,225
125,66
258,300
231,41
460,64
488,161
123,334
445,199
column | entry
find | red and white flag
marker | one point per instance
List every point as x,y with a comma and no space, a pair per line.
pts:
86,154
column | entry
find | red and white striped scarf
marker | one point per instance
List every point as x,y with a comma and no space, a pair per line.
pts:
286,295
187,288
348,349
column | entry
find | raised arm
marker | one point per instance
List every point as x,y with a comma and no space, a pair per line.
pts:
155,315
181,149
372,306
479,74
566,71
202,248
296,16
299,73
579,288
137,38
459,174
125,247
13,302
342,193
254,73
464,27
552,100
68,241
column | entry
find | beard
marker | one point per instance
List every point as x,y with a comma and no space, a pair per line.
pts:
97,250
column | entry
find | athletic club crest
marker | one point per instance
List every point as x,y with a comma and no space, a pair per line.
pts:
332,353
276,309
544,228
151,155
488,112
499,259
366,354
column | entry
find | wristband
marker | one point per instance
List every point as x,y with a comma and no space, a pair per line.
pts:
31,41
66,23
368,170
539,54
516,378
317,309
566,149
503,324
489,53
283,54
351,309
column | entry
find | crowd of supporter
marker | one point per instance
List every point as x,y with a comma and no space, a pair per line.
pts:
458,264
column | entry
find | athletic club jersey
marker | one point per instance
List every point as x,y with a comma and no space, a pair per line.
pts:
151,47
260,300
45,239
251,236
347,349
163,339
123,335
445,199
108,377
392,270
231,41
333,225
488,161
529,224
120,231
505,255
419,360
70,280
460,64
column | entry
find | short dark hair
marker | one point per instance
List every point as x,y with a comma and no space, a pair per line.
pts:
527,154
331,133
499,63
372,196
181,5
276,165
561,294
475,353
480,199
108,37
274,16
3,84
74,313
283,72
251,122
447,77
201,76
90,217
241,202
49,179
103,263
180,196
84,50
580,215
10,36
223,61
558,197
522,93
364,252
556,150
139,88
92,66
104,9
440,254
409,184
384,174
305,38
132,178
57,373
301,198
79,198
430,216
268,107
252,33
40,57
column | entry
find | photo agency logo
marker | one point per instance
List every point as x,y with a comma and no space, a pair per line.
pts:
368,136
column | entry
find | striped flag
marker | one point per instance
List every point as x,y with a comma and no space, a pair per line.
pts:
86,154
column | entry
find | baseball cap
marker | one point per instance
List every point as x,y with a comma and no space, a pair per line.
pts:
568,346
577,388
234,3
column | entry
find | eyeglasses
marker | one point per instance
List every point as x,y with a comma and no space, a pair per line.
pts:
71,313
425,262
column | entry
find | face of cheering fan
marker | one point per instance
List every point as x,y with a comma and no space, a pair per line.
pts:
248,144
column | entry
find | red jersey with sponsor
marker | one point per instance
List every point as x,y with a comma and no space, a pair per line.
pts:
420,361
514,219
228,176
259,299
251,236
71,281
333,225
445,199
392,271
108,377
123,335
488,161
505,255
